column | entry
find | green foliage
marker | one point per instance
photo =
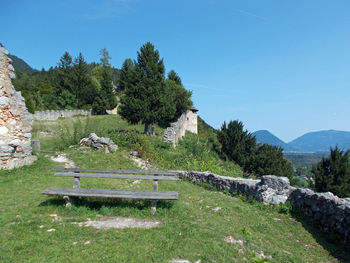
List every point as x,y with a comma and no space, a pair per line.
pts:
300,182
148,98
268,159
126,74
333,173
236,144
72,84
240,146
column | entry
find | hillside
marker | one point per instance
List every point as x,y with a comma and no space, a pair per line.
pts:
264,136
322,140
20,65
204,225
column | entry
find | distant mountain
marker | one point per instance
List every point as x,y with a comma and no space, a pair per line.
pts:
322,141
266,137
20,64
319,141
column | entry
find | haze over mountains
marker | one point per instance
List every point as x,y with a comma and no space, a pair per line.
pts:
319,141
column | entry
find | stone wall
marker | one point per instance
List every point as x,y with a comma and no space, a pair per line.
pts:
328,210
15,120
55,114
186,122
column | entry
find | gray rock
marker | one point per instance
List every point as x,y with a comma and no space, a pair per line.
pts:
4,101
113,147
7,149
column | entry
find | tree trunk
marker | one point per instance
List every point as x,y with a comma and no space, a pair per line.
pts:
146,128
152,130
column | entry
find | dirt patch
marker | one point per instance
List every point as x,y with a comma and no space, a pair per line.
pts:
62,158
120,222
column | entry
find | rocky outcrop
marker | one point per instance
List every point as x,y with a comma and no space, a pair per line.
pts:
328,210
15,120
99,143
55,114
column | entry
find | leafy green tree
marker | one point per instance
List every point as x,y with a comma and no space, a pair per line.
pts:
236,144
172,75
268,159
333,173
145,95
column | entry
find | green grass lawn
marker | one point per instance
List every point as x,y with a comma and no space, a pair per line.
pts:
189,230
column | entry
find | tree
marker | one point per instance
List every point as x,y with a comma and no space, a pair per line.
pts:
333,173
105,57
81,80
268,159
105,99
126,74
65,61
144,98
236,144
172,75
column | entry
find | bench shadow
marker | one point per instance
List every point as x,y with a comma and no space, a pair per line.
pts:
98,203
330,241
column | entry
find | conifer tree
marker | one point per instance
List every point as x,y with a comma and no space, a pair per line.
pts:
333,173
145,97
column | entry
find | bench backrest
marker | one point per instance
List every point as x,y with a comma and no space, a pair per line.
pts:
117,174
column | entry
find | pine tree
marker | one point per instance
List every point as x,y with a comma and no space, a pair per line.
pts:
106,98
236,144
145,96
126,74
81,80
333,173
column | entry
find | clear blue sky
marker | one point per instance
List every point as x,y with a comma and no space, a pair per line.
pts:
278,65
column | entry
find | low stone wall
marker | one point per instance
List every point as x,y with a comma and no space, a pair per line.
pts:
330,211
186,122
55,114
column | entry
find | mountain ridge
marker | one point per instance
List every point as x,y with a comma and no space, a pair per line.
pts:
316,141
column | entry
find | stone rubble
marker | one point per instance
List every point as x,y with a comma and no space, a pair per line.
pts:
99,143
15,120
328,210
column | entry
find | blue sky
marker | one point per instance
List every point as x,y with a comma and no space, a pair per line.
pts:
278,65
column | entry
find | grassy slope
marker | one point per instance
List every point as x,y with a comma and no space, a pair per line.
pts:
190,229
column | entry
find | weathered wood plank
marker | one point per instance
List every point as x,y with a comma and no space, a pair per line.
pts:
120,176
109,193
116,171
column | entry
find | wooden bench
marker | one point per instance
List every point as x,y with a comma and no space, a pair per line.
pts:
76,191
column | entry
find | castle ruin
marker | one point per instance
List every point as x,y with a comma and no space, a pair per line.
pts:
187,122
15,120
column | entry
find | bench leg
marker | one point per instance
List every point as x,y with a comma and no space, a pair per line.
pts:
68,202
153,206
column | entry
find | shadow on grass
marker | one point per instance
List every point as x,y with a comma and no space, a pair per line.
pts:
330,241
98,203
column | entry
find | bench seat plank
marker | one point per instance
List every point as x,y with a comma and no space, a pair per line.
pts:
109,193
120,176
115,171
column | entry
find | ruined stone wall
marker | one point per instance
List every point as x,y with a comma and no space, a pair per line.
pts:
186,122
329,211
55,114
15,120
